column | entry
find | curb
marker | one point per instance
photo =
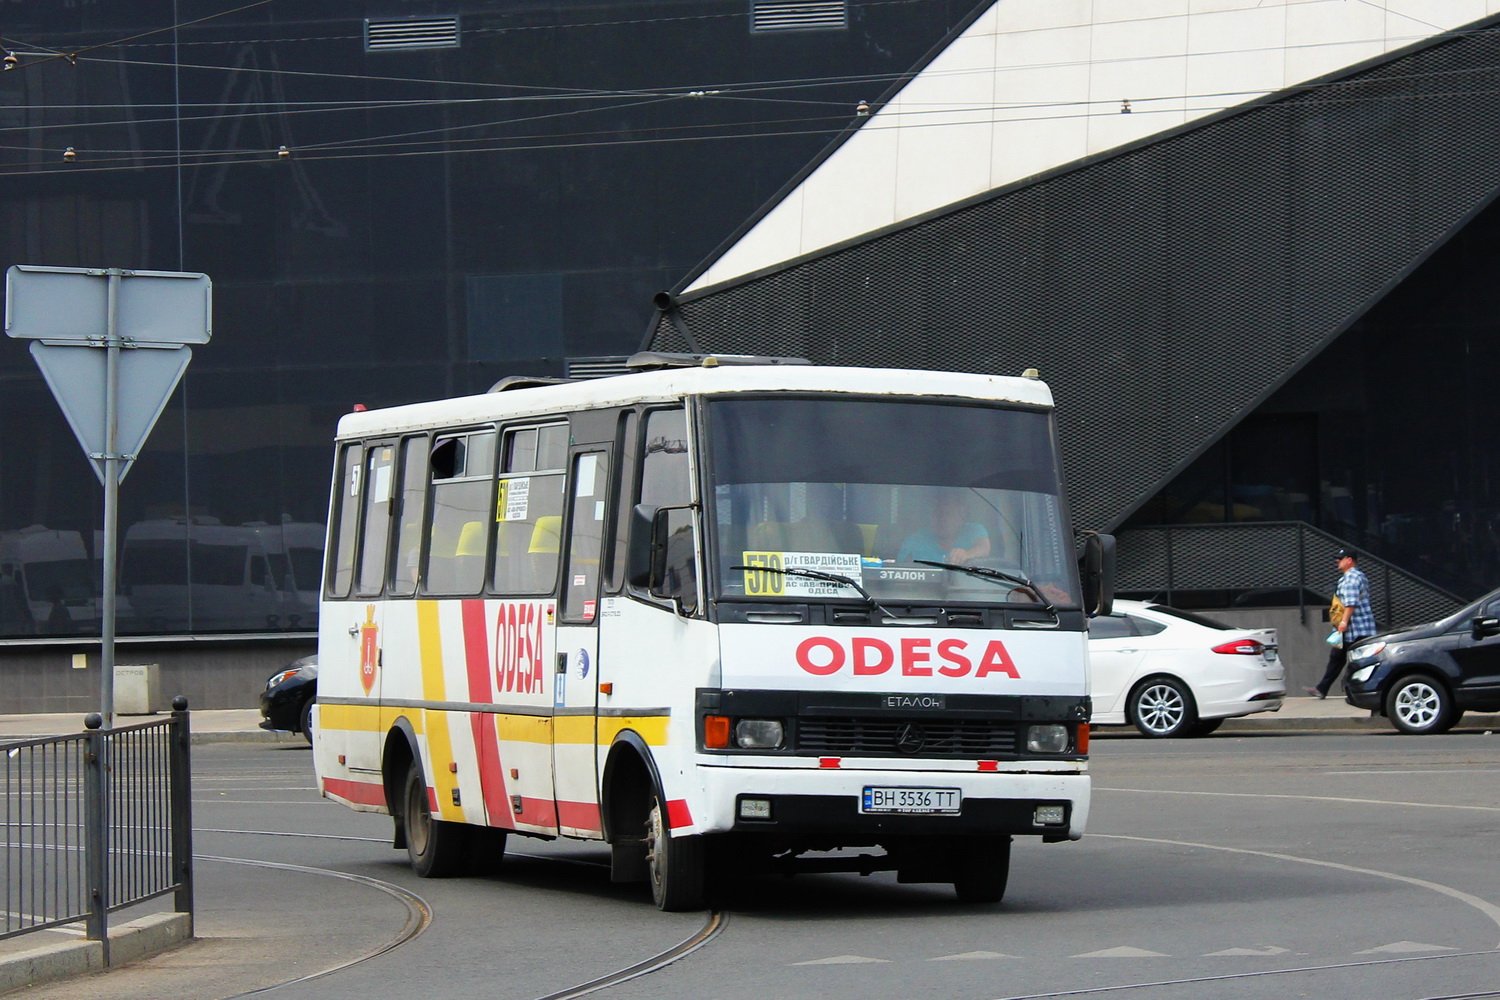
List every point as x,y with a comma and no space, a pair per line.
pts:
1269,723
1376,723
228,736
251,736
128,942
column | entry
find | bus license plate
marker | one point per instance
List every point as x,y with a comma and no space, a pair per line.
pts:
888,799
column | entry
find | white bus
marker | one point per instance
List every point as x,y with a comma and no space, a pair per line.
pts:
717,615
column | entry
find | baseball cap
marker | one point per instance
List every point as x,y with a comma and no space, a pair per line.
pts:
1346,554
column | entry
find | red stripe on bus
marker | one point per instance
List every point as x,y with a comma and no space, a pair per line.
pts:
486,741
537,812
579,816
364,792
477,653
677,814
491,776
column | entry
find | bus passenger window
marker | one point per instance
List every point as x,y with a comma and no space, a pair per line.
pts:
615,579
528,509
462,467
590,488
346,521
413,513
379,487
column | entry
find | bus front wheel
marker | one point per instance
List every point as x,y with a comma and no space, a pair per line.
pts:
677,865
437,849
983,870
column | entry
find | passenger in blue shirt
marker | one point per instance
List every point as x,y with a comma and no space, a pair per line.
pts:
951,538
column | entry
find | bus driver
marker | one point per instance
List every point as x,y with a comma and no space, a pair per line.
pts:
951,539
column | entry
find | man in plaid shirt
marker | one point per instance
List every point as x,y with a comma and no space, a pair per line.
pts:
1357,621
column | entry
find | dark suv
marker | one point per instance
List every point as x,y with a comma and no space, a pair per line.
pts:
1423,679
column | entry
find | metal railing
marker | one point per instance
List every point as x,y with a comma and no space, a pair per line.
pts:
96,821
1250,558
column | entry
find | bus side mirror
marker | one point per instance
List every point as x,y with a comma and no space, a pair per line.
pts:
1096,568
644,554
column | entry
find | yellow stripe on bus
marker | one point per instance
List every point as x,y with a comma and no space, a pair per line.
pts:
431,639
524,728
651,728
354,718
439,738
539,729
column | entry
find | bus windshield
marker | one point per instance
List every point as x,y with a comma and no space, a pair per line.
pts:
877,491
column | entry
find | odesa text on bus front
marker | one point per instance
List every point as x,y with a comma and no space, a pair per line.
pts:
720,616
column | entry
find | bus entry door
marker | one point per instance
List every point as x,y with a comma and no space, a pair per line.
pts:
575,683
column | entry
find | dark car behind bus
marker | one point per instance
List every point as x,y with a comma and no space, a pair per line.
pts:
1425,678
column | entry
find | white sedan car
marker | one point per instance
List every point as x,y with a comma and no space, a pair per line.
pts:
1174,673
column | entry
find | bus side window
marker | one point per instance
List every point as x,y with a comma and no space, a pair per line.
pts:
345,513
628,450
462,467
666,481
528,509
590,490
413,512
376,528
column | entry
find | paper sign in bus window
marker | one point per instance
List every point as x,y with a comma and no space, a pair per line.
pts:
587,469
515,497
384,480
766,580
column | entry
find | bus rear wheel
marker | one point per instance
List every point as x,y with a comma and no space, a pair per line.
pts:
983,869
437,849
677,865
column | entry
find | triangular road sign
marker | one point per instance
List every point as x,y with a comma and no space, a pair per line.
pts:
76,376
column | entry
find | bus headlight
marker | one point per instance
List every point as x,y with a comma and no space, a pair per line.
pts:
1047,739
758,734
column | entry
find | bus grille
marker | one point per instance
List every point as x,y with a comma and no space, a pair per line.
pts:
886,737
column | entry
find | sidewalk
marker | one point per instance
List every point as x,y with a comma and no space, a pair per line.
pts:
234,725
242,725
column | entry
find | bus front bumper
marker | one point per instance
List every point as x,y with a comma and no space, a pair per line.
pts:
818,803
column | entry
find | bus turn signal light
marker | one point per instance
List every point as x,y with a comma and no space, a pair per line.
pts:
716,732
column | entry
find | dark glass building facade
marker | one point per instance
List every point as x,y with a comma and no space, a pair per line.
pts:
396,201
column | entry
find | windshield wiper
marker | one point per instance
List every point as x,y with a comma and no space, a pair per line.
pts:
996,575
826,577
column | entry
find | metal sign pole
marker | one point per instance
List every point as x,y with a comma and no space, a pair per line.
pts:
151,318
111,501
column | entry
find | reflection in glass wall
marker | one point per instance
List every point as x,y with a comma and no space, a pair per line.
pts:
197,575
433,226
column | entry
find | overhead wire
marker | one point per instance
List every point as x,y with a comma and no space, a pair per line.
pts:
364,147
411,142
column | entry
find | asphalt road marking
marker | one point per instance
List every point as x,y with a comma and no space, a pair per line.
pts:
971,956
1270,949
1484,906
842,960
1448,770
1404,948
1304,798
1124,951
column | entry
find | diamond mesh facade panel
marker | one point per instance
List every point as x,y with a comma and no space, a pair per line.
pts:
1267,555
1165,291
